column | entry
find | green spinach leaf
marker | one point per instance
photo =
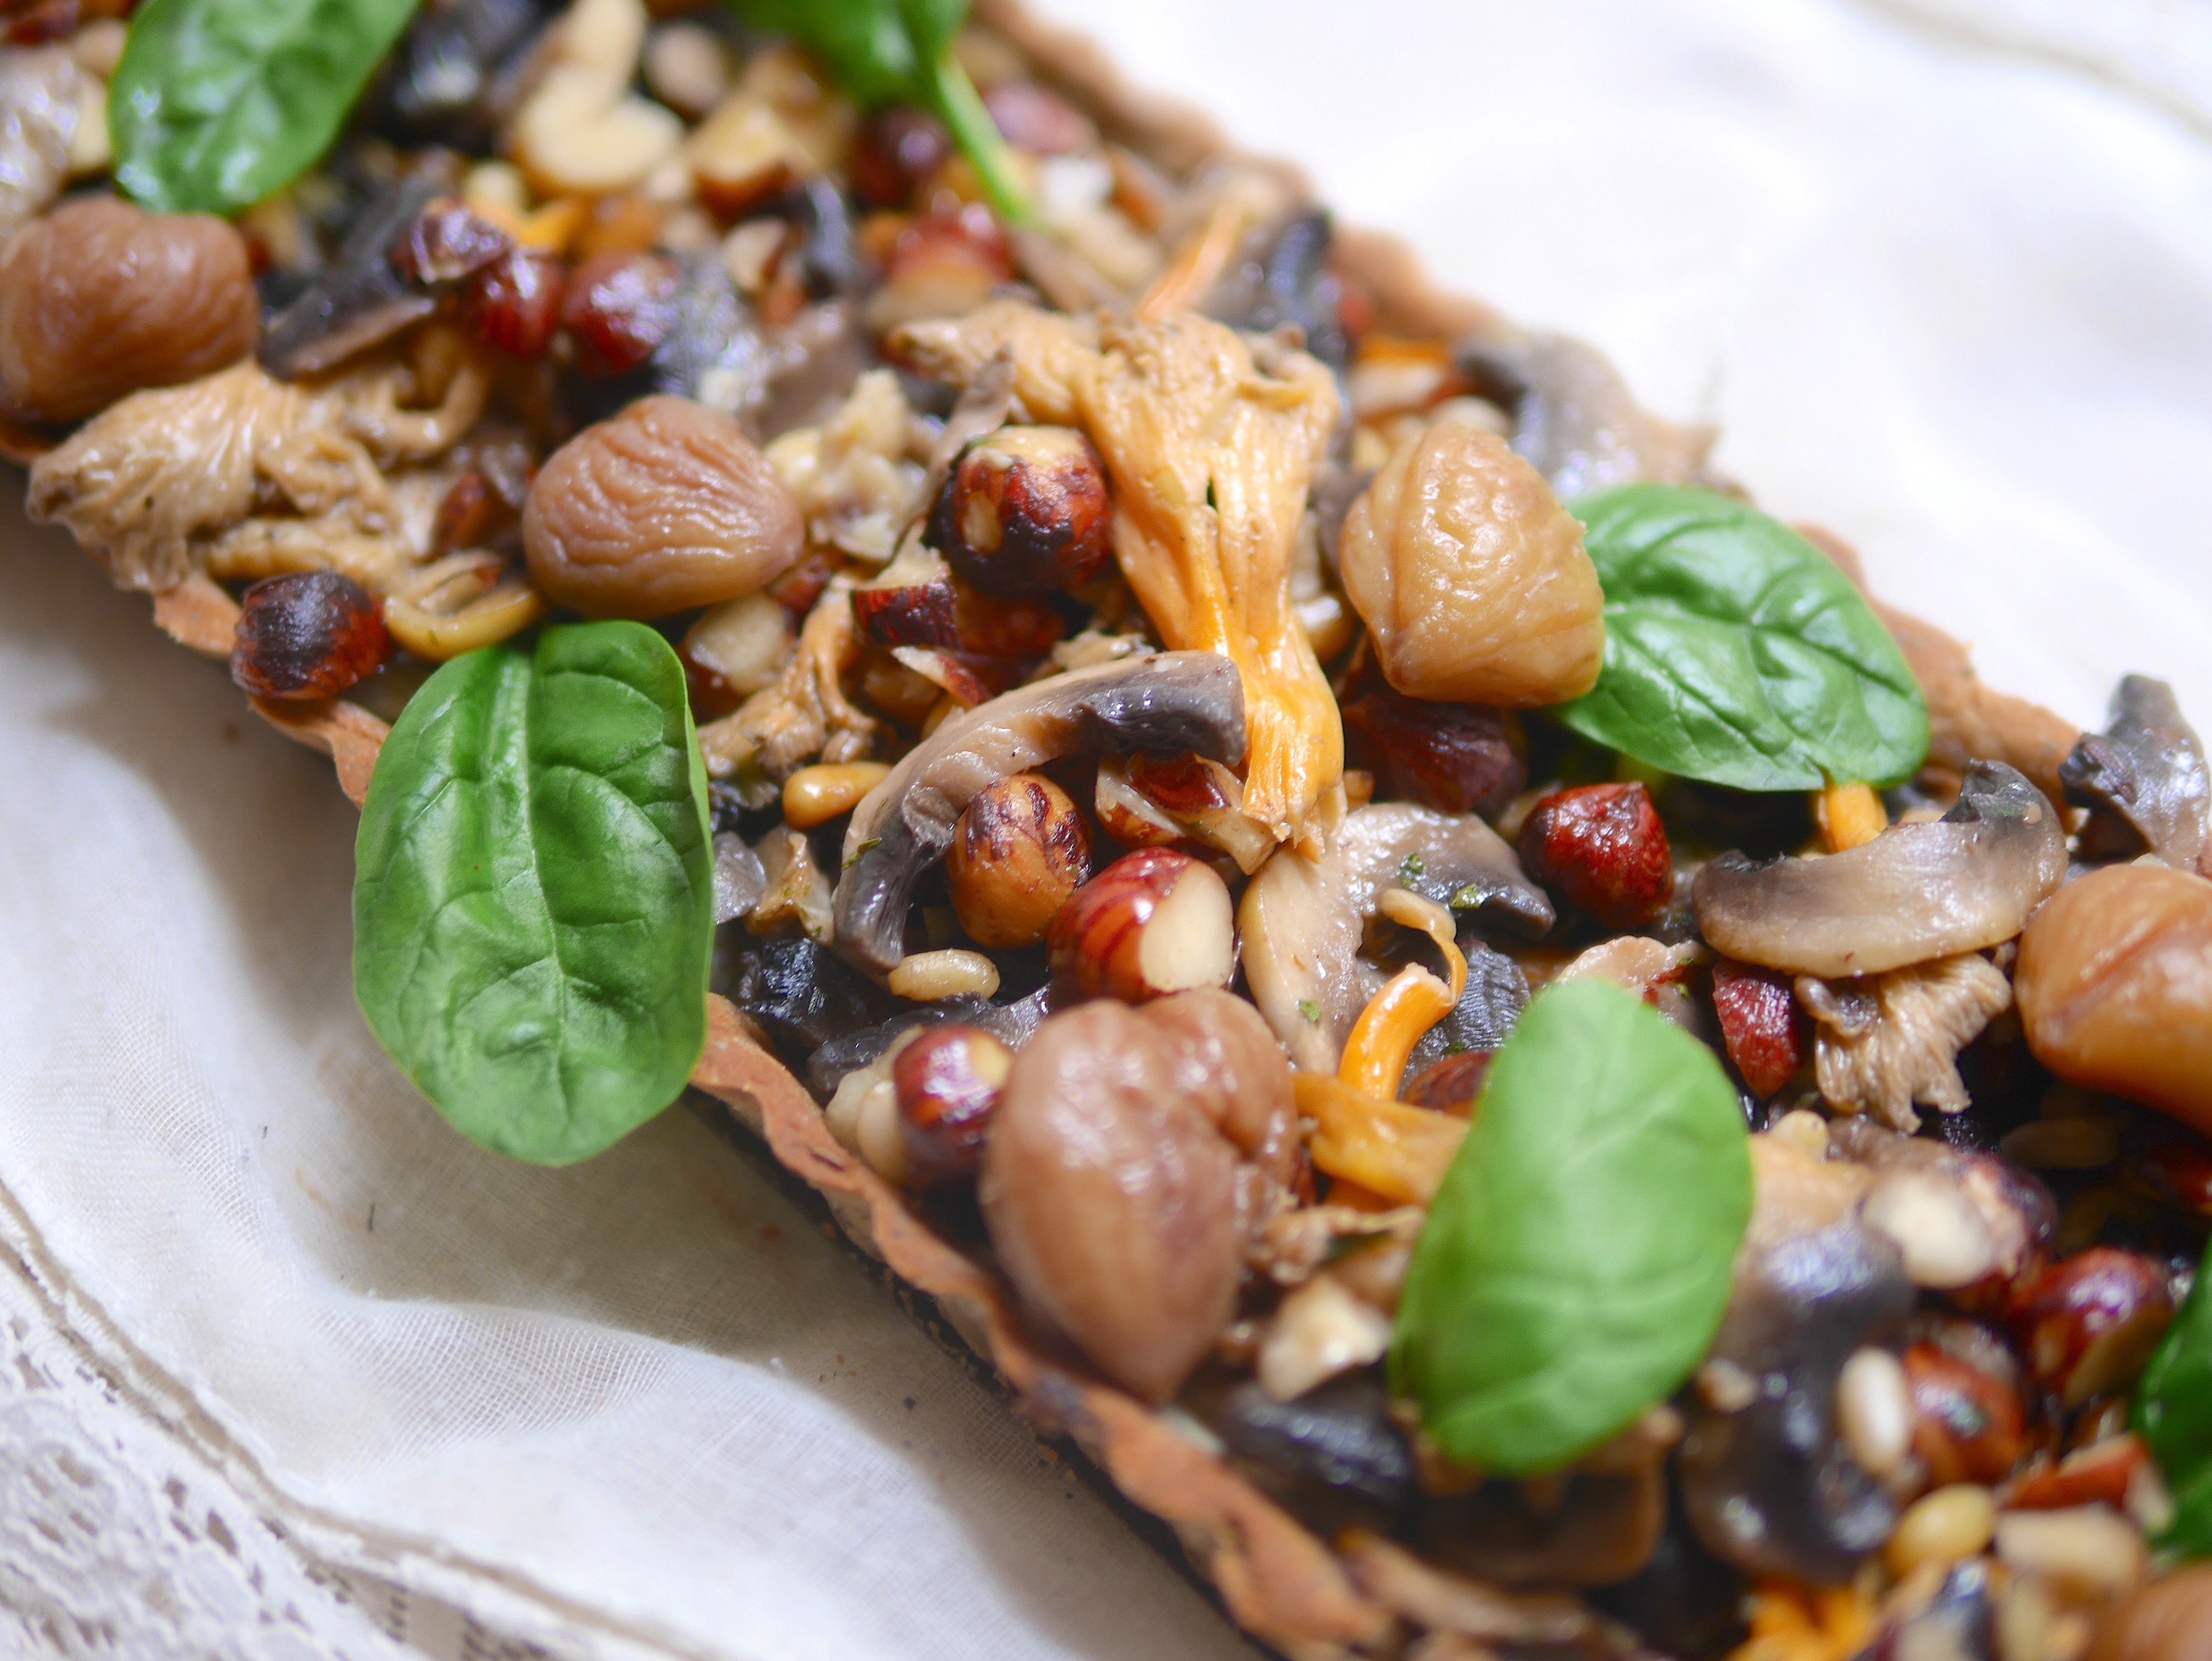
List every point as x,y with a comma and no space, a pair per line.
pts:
900,52
2173,1413
1736,652
533,896
1575,1264
219,103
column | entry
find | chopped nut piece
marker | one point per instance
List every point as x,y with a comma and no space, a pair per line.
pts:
805,714
1891,1040
1320,1331
1152,923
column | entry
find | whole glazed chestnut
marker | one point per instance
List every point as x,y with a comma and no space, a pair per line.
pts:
662,509
2114,981
99,299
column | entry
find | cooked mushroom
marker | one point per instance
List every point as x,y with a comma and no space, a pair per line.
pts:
1303,920
1573,418
802,995
1176,702
1497,992
1767,1481
1282,276
2143,778
1893,1040
1915,893
1134,1153
459,70
360,300
1211,438
1336,1443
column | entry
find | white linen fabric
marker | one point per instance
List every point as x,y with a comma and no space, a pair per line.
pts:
288,1369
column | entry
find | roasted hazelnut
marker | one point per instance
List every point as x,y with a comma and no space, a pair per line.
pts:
99,299
514,302
2114,981
1020,849
2098,1475
2088,1324
917,614
1152,923
947,1082
309,634
1133,1153
1966,1426
1760,1024
473,514
1601,848
1451,1084
446,243
734,650
1470,577
744,156
617,308
665,506
941,266
1454,758
898,148
1024,512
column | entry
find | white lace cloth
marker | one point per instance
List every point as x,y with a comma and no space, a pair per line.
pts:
286,1370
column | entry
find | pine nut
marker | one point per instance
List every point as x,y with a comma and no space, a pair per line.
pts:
816,795
1874,1410
933,976
1945,1527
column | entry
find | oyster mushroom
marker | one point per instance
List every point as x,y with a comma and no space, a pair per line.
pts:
1133,1154
1573,418
1894,1040
1914,893
1176,702
2143,778
1303,918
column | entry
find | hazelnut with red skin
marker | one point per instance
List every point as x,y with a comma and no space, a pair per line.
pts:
514,302
1761,1023
1453,758
918,614
307,634
1451,1083
1024,511
1153,923
1602,848
619,307
1020,849
2088,1324
946,1084
1966,1426
897,148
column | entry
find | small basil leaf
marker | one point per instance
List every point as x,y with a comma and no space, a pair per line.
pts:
533,894
2173,1413
217,104
1736,652
1576,1263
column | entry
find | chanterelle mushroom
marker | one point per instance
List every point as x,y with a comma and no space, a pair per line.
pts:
1212,441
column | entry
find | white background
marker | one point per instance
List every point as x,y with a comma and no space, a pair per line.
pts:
1953,300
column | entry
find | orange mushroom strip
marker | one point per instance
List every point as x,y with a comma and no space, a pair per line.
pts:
1387,1148
1383,1038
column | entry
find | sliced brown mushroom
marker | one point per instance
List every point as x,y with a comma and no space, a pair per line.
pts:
1915,893
359,300
1574,419
1303,920
1174,703
2143,778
